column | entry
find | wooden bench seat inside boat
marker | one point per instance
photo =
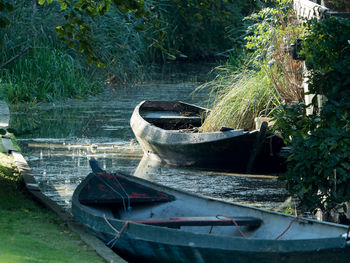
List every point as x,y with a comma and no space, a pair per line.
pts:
159,118
175,119
176,222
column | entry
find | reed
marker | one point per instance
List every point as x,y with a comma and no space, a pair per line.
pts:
238,99
45,74
48,70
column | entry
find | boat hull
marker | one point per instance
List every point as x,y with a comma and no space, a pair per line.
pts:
134,249
306,241
228,150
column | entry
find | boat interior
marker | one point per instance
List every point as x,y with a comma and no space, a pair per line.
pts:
173,115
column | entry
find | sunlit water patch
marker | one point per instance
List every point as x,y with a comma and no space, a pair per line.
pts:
59,138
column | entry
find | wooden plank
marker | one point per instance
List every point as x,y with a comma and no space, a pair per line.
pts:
188,120
200,221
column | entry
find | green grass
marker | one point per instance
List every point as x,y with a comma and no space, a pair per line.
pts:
49,70
45,75
239,98
30,232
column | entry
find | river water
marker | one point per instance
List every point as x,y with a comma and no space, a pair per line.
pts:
57,140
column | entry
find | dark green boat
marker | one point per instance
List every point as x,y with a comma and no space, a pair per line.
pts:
146,222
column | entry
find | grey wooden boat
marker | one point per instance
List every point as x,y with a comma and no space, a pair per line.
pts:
168,131
147,222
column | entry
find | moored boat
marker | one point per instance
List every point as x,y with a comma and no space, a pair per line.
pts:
168,131
147,222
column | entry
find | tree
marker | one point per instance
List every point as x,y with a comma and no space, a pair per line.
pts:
75,31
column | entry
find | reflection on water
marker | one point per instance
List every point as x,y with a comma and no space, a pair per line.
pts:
65,135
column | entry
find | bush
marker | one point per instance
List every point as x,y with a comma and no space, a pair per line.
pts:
318,166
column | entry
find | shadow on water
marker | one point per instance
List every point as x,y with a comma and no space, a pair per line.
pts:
65,135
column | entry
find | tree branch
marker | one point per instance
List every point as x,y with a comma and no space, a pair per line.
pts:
15,57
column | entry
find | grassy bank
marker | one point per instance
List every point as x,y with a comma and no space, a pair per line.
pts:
30,232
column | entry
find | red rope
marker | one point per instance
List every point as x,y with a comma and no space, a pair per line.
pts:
244,235
235,223
123,228
288,227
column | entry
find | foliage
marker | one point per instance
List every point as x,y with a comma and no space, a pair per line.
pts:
127,39
267,71
319,171
202,29
44,75
338,5
121,46
267,40
173,24
179,29
327,56
5,7
39,63
291,121
76,31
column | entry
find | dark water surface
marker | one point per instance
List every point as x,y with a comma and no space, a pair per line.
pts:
58,139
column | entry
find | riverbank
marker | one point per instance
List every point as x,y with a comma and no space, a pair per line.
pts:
31,232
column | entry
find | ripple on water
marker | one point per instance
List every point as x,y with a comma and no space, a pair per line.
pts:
65,135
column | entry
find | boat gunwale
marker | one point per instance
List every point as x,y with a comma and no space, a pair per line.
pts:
196,195
182,137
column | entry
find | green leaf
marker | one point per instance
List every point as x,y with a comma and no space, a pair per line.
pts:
41,2
63,6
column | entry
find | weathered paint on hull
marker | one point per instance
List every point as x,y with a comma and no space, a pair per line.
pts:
306,241
134,248
150,252
225,150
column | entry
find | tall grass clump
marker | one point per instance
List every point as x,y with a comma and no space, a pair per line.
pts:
122,43
240,99
45,75
35,66
267,76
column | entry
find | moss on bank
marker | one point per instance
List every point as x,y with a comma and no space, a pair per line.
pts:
30,232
